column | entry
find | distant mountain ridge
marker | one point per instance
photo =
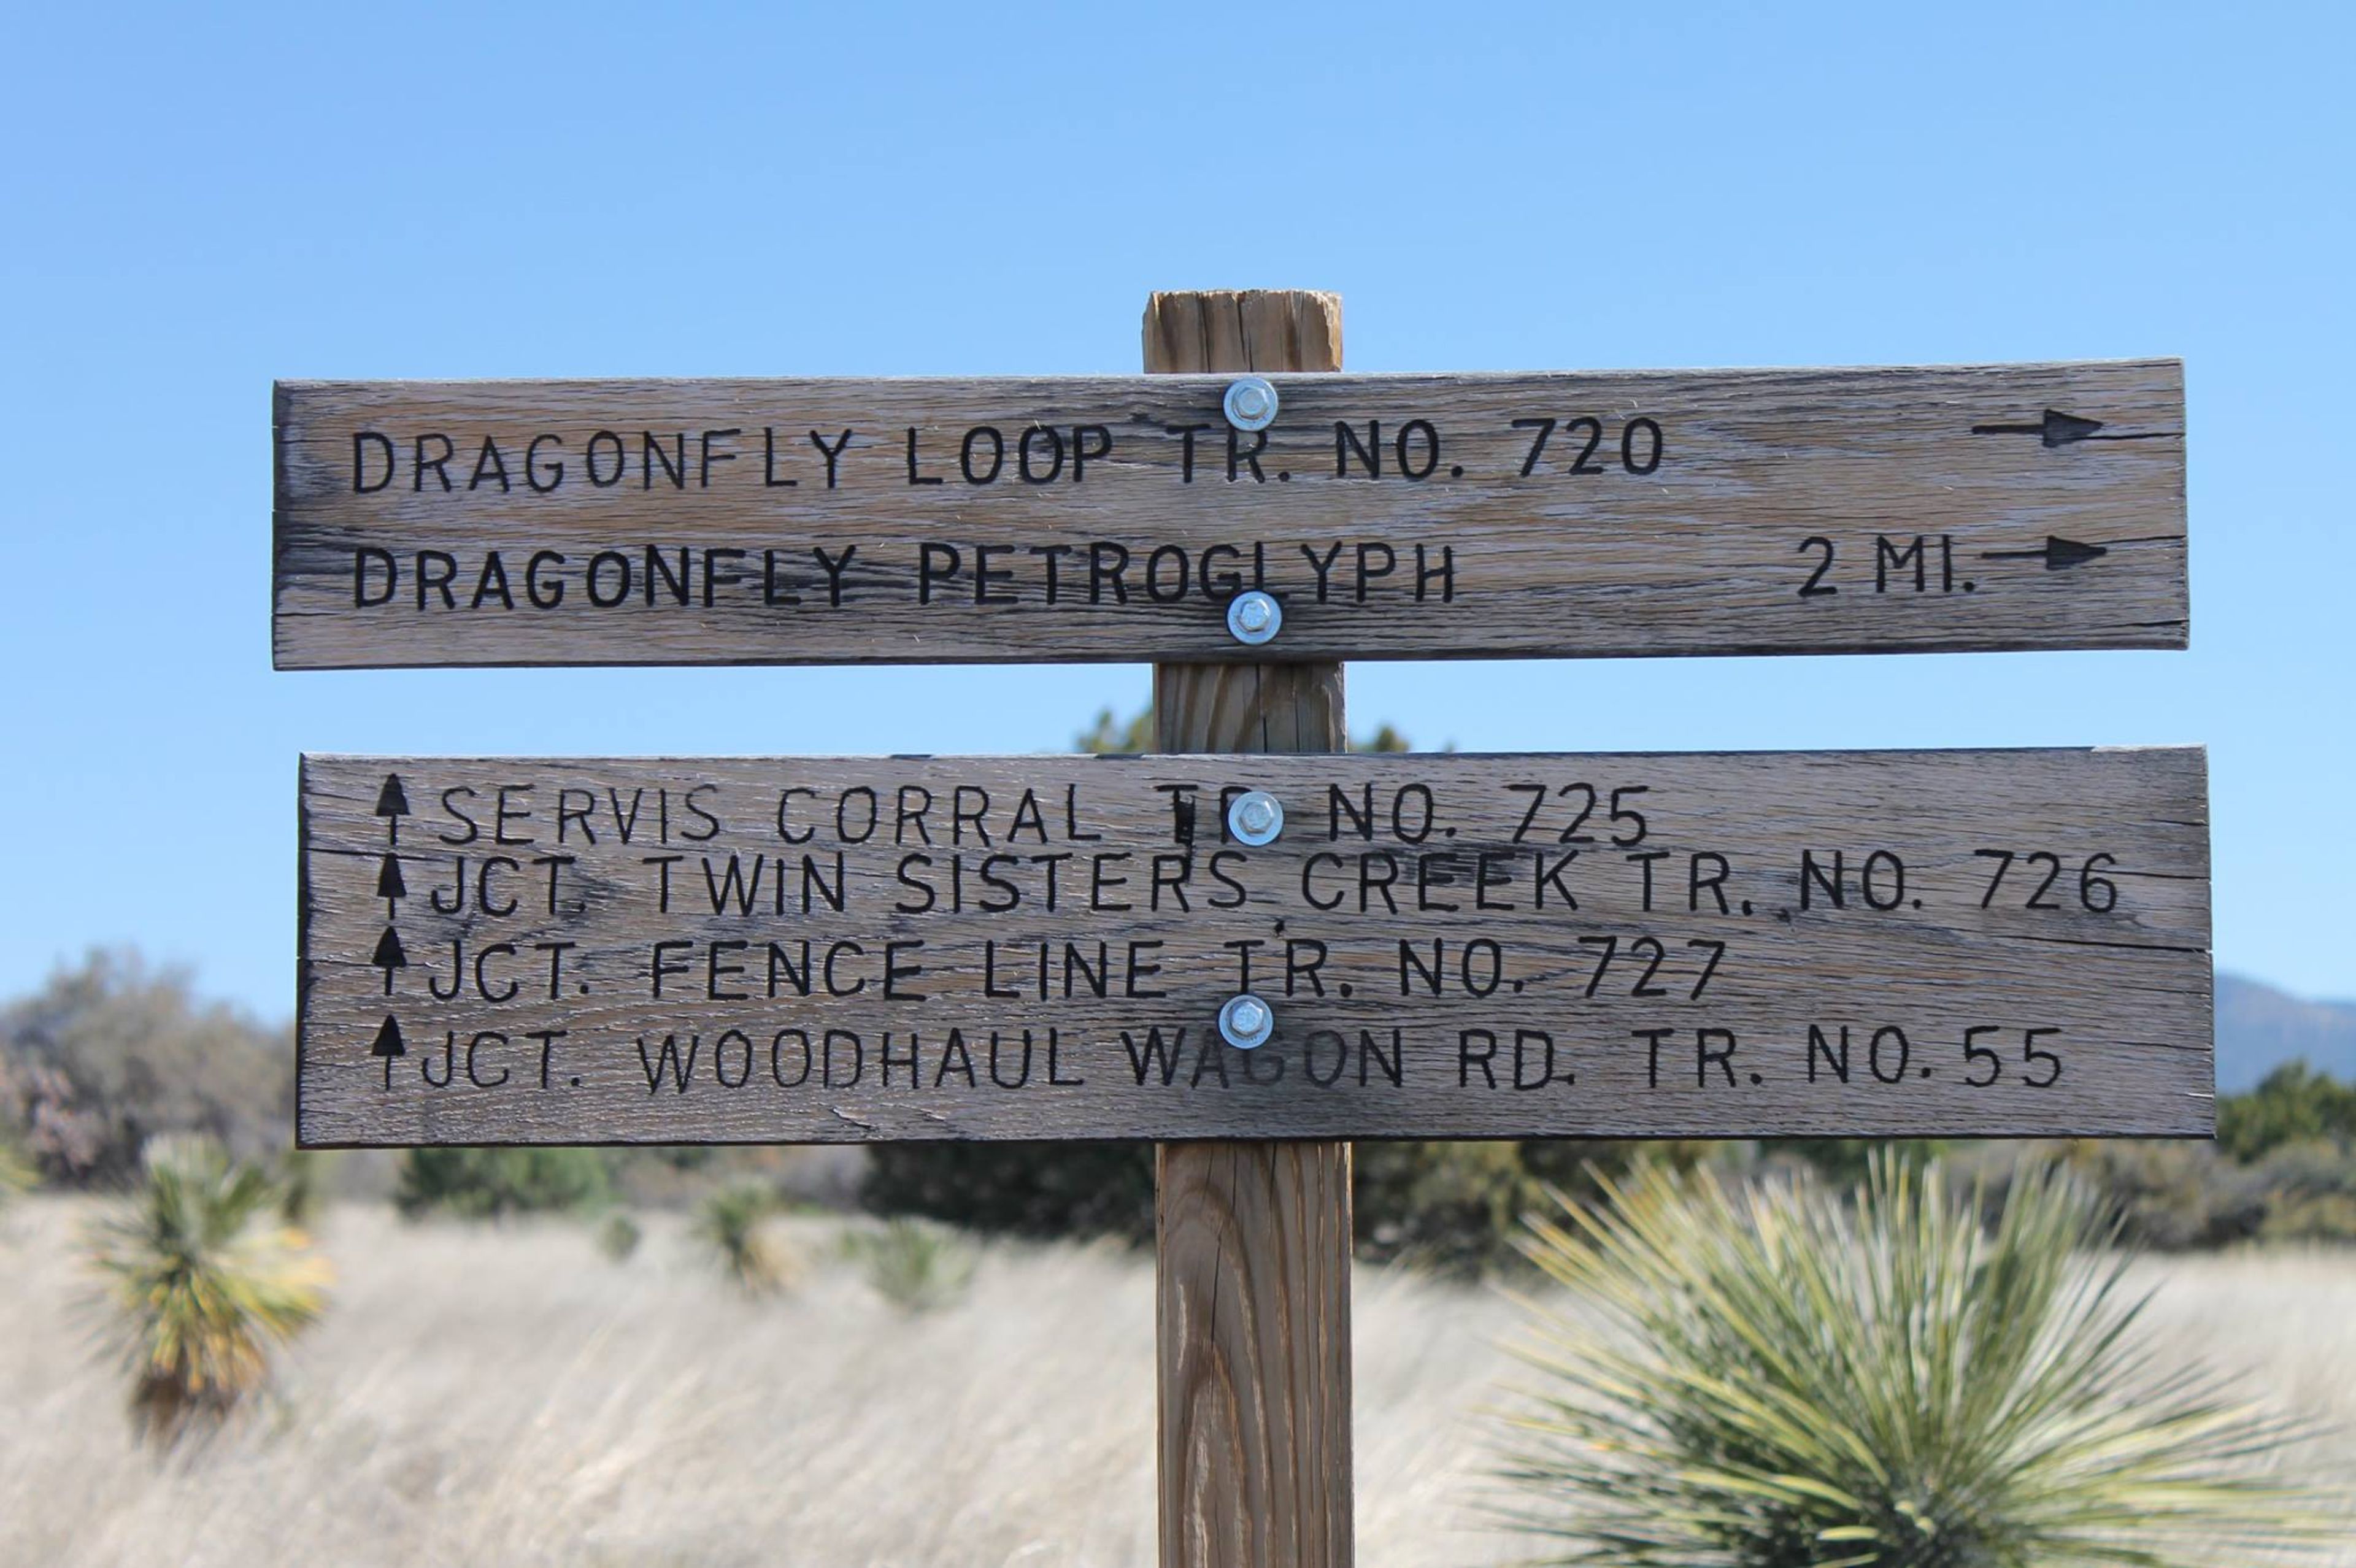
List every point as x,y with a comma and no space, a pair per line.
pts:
2260,1027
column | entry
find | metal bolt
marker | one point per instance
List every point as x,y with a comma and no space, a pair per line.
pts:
1254,617
1255,818
1250,403
1246,1023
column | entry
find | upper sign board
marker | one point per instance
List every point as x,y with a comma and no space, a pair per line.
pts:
1113,518
826,949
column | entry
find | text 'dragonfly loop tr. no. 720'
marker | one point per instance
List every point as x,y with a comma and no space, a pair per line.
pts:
1119,517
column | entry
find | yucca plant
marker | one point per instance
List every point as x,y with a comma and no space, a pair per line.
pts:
1774,1378
915,1266
730,1223
208,1283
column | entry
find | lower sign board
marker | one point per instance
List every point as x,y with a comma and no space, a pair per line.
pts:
750,950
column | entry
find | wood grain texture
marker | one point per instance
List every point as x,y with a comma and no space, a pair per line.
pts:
1253,1242
2126,984
1253,1272
1706,552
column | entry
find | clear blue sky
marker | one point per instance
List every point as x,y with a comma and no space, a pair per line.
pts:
193,202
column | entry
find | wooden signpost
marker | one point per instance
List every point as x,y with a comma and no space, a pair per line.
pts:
1239,948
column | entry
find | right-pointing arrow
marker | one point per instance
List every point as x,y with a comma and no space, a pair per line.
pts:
2057,429
2057,552
387,1046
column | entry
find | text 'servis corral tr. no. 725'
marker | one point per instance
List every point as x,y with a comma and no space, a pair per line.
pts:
1222,941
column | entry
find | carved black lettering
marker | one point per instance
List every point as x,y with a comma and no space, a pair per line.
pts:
973,442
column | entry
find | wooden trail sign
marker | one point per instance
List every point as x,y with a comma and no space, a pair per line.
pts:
848,950
833,521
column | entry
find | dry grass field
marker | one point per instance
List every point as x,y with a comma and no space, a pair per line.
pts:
483,1395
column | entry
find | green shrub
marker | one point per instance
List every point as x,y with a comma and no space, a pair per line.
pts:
304,1177
1127,737
1117,736
1045,1190
488,1183
2294,1103
1584,1169
111,1053
2180,1195
1845,1161
1453,1207
1772,1378
731,1223
915,1266
2310,1217
206,1283
618,1236
1457,1208
2172,1196
17,1173
2310,1192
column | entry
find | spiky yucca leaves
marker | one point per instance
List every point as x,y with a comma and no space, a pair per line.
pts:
1771,1377
730,1221
208,1282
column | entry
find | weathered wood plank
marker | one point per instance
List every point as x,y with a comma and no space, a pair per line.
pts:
1665,512
2098,930
1252,1261
1252,1241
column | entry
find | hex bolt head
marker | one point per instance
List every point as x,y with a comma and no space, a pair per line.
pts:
1247,1022
1255,818
1254,617
1250,402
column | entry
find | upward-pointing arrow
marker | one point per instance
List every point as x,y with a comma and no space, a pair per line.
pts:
389,1046
393,802
389,955
388,883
